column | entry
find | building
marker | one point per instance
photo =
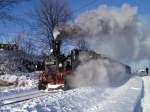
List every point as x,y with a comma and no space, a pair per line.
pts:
8,47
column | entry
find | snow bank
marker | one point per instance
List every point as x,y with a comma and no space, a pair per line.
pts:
122,99
89,99
17,81
20,82
8,78
146,99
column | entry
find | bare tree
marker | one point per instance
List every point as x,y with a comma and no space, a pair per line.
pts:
24,43
6,7
28,47
82,44
49,14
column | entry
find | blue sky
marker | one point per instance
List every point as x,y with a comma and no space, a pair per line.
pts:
77,6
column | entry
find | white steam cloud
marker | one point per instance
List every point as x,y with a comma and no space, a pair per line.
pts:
100,72
116,32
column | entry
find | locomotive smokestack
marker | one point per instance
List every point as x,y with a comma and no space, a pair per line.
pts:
56,34
56,42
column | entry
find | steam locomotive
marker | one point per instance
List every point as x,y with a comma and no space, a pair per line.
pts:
58,66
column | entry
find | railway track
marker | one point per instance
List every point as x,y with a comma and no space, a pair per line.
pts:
24,97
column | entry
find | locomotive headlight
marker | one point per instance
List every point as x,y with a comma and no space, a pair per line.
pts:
51,50
60,65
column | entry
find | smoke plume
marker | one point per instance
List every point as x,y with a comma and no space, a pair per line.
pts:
101,72
116,32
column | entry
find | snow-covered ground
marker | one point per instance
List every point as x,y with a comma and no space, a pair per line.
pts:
90,99
132,96
146,99
22,82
